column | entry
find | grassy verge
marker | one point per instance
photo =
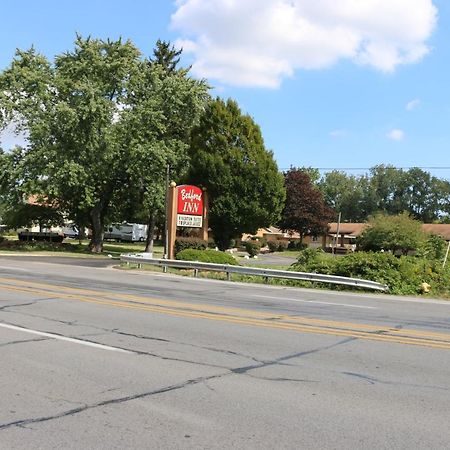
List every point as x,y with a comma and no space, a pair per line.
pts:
73,248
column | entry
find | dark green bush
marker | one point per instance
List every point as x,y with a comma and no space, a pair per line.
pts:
282,245
297,245
403,275
273,246
252,247
183,243
210,256
262,240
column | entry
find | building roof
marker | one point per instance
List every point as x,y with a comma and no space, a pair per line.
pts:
351,229
441,229
355,229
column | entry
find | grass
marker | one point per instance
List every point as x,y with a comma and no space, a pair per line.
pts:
72,247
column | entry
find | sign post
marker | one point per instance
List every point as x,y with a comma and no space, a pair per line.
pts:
186,209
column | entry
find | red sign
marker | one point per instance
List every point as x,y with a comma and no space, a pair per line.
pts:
190,200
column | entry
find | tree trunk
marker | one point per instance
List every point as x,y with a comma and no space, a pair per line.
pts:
81,233
96,244
150,233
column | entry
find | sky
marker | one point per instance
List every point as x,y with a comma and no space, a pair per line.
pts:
345,84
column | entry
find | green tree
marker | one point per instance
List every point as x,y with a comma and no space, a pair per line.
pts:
398,233
71,111
166,56
155,130
103,123
229,159
305,210
344,193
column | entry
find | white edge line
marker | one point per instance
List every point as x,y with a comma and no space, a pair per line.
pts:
64,338
315,301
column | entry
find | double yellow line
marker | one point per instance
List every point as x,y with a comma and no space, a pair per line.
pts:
238,316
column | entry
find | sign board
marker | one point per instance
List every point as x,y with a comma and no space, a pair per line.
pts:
189,206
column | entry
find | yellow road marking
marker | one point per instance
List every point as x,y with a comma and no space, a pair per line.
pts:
236,315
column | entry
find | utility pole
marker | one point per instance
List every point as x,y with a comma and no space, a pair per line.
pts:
166,223
446,255
337,234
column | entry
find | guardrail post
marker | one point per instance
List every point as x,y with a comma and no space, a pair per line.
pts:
228,276
195,273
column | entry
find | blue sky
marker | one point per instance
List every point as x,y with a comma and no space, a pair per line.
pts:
332,84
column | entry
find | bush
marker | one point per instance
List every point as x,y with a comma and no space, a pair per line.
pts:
1,239
252,247
297,245
314,260
282,245
273,246
183,243
261,240
403,275
210,256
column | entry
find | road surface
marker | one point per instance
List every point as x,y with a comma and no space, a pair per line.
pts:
100,358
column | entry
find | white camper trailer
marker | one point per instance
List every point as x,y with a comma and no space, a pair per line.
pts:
129,232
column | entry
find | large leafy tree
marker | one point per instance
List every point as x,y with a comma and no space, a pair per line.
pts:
229,159
305,210
399,233
103,123
157,119
344,194
71,111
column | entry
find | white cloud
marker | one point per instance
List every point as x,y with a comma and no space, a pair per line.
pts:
413,104
260,42
396,134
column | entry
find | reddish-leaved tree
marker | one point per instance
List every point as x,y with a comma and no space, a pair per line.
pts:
305,210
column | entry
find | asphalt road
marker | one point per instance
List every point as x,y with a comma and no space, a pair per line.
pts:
98,358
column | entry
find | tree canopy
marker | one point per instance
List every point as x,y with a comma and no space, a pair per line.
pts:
229,159
305,210
102,124
399,233
388,190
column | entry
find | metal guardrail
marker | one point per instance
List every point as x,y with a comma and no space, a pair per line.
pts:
139,258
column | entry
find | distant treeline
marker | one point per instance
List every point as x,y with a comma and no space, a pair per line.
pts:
386,189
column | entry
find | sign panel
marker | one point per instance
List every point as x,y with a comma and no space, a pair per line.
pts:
189,206
190,200
189,221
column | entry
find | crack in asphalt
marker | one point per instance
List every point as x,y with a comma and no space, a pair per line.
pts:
213,349
24,341
191,382
373,380
114,401
245,369
4,308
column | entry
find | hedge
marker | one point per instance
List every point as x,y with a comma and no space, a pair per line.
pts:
209,256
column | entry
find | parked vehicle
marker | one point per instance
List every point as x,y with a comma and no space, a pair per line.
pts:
129,232
71,231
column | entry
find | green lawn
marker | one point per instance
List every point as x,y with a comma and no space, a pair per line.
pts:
72,247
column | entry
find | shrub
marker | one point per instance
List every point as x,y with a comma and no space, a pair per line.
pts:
433,248
261,240
297,245
183,243
273,246
282,245
252,247
1,239
210,256
314,260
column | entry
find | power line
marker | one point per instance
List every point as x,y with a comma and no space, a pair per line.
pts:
370,168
